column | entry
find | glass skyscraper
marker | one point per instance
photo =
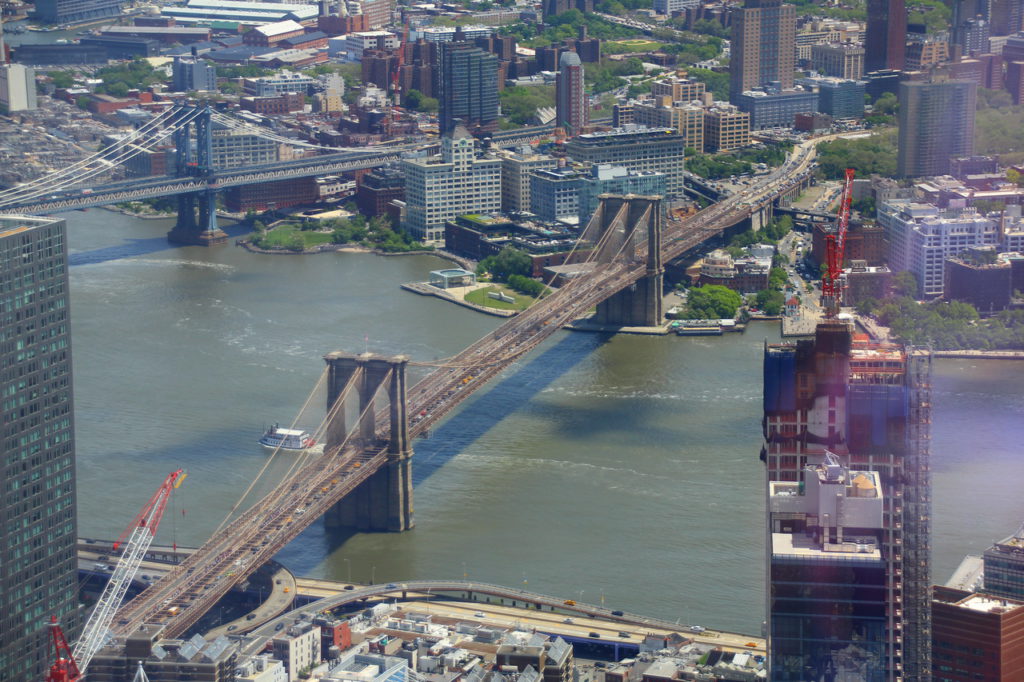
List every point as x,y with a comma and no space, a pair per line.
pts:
38,566
467,88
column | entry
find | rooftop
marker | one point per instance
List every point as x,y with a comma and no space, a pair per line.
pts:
987,604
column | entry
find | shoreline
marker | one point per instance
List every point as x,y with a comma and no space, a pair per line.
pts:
350,248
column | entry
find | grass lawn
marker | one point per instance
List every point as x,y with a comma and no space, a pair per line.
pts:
631,45
480,297
282,237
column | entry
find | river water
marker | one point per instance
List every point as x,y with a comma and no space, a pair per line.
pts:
615,468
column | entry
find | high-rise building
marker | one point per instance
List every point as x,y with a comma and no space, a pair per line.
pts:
572,110
38,564
840,60
836,405
440,188
886,36
637,148
466,86
763,53
936,122
1006,16
725,128
827,582
554,7
684,117
17,87
192,73
515,177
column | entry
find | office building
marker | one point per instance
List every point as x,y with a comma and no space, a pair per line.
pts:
607,179
233,148
555,193
298,648
280,83
377,189
985,282
840,98
75,11
922,237
774,108
839,60
679,89
936,122
827,587
572,108
165,660
1015,81
1004,567
440,188
886,36
17,88
685,117
515,177
1005,17
865,406
637,148
725,128
763,35
190,74
466,86
39,566
925,52
977,636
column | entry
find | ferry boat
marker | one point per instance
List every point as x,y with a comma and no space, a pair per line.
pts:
286,439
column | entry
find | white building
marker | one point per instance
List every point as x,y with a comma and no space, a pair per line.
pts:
355,43
670,6
279,83
298,648
17,87
922,236
234,148
446,34
261,668
440,188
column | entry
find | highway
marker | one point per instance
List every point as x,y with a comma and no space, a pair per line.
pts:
256,535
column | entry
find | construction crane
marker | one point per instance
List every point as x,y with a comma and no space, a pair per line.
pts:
70,666
835,247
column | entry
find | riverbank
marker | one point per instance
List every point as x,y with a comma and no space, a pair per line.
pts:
349,248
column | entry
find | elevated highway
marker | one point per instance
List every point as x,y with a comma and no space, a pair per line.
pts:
252,538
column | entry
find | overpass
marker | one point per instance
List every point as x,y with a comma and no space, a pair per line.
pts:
362,475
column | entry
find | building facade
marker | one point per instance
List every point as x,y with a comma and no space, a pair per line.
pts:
885,39
516,168
75,11
976,636
839,60
763,39
466,86
192,73
572,109
1004,567
17,88
936,123
555,193
922,237
440,188
38,563
637,148
773,108
725,128
607,179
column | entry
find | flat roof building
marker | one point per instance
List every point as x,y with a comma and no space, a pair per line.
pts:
1004,567
635,147
976,636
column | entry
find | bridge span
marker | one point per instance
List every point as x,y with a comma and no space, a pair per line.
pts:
252,538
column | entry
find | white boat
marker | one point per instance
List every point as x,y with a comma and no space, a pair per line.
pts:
286,439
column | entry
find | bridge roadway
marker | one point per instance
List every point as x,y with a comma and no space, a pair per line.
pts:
255,536
637,624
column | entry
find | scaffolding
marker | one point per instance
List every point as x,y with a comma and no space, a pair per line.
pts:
917,631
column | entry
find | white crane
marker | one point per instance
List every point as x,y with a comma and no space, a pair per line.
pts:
139,535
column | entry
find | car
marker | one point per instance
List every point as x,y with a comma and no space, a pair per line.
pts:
568,621
616,613
250,616
391,586
350,587
697,628
278,627
594,635
623,634
104,557
479,614
232,627
146,577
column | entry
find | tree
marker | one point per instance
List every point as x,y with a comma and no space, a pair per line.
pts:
905,284
770,301
777,278
887,103
61,79
509,261
713,302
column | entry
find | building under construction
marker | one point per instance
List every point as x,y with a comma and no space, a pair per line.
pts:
869,405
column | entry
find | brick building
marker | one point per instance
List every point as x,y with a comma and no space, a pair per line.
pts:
976,637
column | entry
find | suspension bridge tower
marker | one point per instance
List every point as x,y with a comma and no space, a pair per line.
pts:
197,211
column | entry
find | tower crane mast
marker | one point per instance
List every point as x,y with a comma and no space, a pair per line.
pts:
835,249
70,666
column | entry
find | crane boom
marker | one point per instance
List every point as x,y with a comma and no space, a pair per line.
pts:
835,248
139,535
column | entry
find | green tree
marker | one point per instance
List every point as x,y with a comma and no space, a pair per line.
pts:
509,261
61,79
887,103
770,301
904,284
520,103
713,302
777,278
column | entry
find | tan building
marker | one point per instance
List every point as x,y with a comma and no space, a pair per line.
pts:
684,117
763,39
839,60
515,177
678,89
725,128
926,53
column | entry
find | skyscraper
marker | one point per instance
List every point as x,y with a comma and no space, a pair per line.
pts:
886,37
936,123
38,565
763,46
571,107
859,409
466,86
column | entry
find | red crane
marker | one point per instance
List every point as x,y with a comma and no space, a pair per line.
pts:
835,246
71,665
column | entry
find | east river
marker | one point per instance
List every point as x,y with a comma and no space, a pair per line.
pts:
615,468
